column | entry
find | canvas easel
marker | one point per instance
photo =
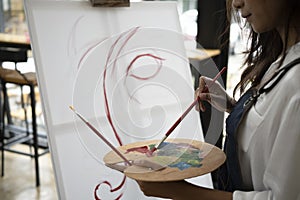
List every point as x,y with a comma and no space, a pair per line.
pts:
72,41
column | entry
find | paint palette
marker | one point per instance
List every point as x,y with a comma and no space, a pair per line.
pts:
179,159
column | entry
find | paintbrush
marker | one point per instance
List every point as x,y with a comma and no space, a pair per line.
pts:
186,112
214,80
101,136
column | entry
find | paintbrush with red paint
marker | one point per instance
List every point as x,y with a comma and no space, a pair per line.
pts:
101,136
186,112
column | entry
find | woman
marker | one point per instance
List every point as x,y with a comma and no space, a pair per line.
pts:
263,128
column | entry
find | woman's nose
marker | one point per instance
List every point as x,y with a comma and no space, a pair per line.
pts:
237,3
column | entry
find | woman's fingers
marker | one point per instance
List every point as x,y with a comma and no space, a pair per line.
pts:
202,84
201,92
212,92
199,105
202,97
169,190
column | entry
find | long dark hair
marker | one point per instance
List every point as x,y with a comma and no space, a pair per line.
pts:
264,49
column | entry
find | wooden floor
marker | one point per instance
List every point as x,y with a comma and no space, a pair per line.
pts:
18,182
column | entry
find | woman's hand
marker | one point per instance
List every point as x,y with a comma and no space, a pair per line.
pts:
182,190
170,190
215,95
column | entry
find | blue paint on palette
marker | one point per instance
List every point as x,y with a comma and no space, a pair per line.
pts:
186,155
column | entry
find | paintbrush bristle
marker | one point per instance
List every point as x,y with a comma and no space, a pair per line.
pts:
72,108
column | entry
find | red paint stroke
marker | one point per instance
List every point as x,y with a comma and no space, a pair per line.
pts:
144,55
142,149
111,189
157,59
128,35
72,38
89,49
107,110
106,105
131,34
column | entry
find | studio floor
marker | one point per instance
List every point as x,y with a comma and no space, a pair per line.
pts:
18,182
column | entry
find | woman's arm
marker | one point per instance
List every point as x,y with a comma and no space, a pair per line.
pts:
182,190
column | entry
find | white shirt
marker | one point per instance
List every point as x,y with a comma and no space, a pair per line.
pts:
269,140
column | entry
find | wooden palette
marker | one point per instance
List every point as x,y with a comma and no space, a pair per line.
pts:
212,158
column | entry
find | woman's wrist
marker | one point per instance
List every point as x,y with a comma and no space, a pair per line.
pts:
191,191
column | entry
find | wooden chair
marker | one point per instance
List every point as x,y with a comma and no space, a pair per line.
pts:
10,133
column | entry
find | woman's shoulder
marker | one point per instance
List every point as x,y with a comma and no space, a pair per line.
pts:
287,78
290,82
292,76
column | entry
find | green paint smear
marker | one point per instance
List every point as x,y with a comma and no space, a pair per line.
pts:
178,155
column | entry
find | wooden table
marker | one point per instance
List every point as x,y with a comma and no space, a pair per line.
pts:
202,54
196,57
16,41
